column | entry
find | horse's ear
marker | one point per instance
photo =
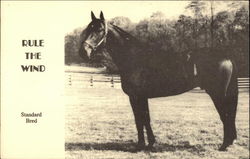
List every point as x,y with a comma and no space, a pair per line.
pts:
92,16
101,16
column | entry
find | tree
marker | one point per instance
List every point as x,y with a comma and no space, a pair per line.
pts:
223,29
184,26
241,39
226,32
123,22
72,43
212,23
196,7
234,6
157,32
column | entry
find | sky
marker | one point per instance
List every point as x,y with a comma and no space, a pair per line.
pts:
79,14
70,15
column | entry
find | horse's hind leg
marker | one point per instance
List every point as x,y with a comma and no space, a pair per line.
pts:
225,98
230,127
226,107
142,118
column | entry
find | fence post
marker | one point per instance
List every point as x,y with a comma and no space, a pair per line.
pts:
112,81
91,81
70,81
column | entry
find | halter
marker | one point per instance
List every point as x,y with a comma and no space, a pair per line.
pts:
100,42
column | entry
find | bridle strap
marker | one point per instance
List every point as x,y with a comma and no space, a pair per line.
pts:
100,42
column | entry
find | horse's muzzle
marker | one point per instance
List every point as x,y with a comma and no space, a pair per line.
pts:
86,50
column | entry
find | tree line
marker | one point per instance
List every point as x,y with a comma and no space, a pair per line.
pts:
226,30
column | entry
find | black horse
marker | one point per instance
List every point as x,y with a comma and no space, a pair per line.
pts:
145,74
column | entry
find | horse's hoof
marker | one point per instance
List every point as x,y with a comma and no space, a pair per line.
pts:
140,147
150,148
151,142
225,145
223,148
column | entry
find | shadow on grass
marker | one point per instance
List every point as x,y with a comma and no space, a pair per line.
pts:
130,147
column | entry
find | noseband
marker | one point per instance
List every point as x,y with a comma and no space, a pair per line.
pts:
94,47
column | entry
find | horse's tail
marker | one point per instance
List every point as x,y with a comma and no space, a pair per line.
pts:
226,70
229,76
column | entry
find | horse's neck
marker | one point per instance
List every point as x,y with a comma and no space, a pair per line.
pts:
119,47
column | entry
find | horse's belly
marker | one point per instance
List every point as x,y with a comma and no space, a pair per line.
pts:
155,84
168,87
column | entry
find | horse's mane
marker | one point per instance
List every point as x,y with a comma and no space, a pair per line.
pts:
144,47
123,33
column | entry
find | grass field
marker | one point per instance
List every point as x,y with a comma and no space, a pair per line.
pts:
100,125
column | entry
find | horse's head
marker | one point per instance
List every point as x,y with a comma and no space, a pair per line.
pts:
93,36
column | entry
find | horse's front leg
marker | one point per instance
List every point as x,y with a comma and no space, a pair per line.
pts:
146,123
142,118
138,114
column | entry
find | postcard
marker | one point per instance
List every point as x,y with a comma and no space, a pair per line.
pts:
124,79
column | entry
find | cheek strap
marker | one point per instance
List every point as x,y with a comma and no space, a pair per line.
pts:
105,34
100,42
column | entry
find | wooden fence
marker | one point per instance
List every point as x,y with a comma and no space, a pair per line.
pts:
98,80
92,80
243,83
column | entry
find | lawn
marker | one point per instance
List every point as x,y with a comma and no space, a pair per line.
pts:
100,125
